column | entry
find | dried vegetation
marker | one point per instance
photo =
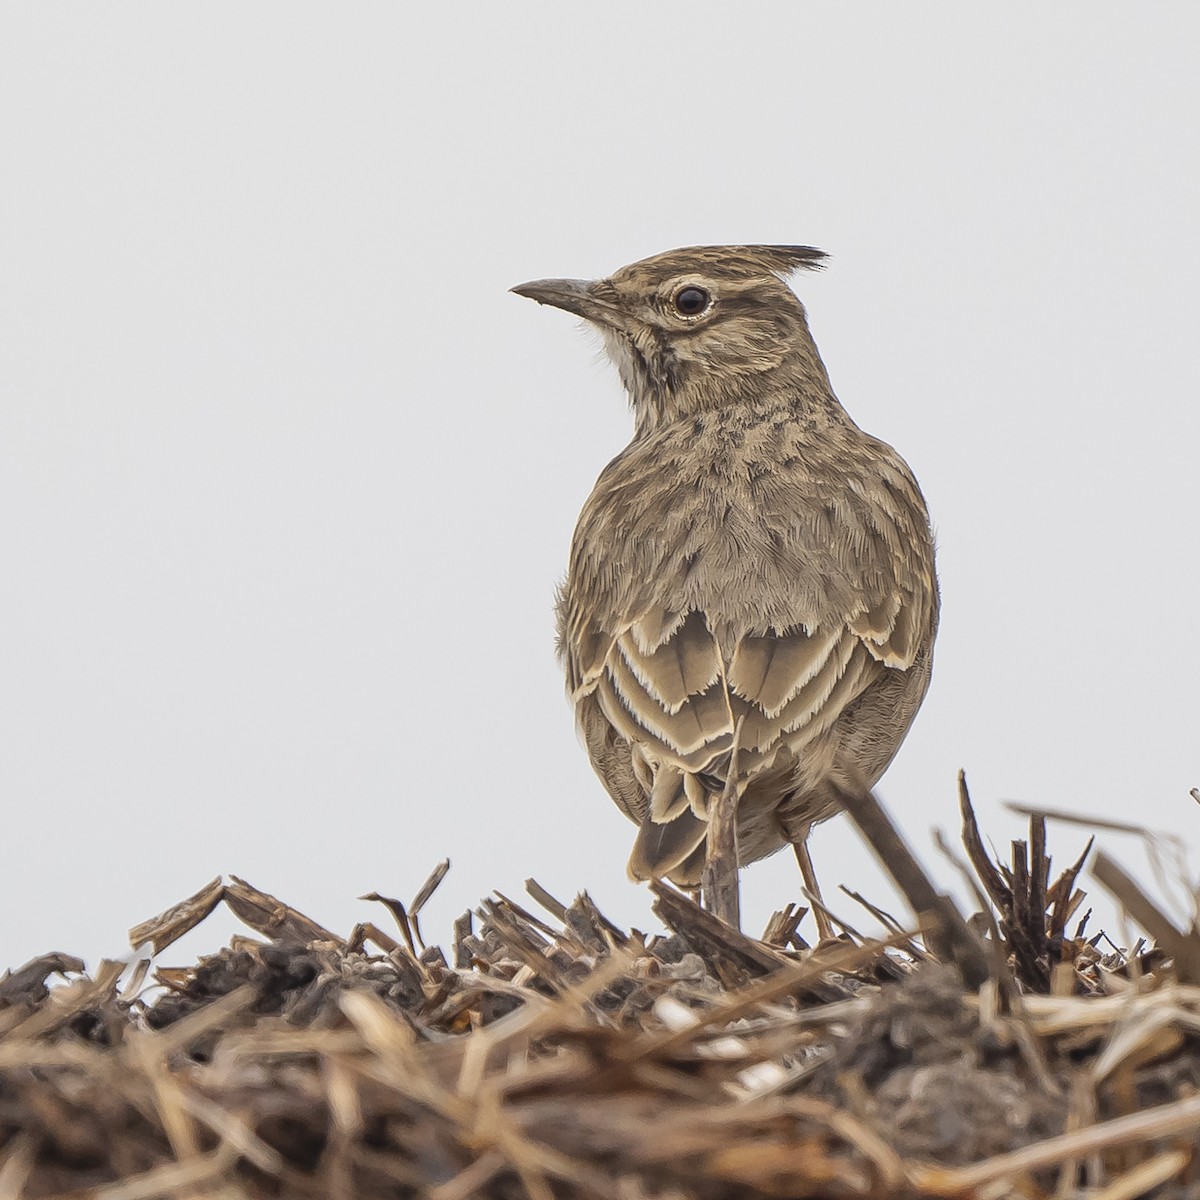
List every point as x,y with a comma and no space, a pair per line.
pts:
547,1053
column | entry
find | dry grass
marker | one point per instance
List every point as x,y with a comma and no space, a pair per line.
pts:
556,1055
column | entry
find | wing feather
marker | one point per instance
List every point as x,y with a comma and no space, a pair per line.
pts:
694,724
763,729
770,670
685,664
654,627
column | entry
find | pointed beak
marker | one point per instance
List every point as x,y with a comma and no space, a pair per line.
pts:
571,295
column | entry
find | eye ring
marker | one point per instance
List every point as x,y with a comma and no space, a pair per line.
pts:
691,301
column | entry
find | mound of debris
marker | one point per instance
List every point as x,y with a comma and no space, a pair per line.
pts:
550,1054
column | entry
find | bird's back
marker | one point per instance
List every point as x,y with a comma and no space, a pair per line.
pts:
767,563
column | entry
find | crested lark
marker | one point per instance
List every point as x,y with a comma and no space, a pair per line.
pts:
751,603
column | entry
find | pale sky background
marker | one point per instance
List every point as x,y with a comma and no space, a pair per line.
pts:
287,477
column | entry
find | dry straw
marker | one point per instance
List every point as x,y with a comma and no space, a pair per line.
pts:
557,1055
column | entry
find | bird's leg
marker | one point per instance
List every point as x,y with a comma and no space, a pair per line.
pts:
719,882
809,875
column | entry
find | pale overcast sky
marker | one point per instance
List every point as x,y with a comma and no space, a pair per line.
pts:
287,477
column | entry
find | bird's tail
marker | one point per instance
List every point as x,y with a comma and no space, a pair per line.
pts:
671,849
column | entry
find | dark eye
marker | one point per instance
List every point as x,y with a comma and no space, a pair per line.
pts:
691,301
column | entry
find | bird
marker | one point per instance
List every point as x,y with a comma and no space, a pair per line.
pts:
751,600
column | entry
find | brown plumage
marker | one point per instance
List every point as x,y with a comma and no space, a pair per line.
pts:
751,556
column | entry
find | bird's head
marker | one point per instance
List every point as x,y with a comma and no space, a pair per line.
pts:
698,327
